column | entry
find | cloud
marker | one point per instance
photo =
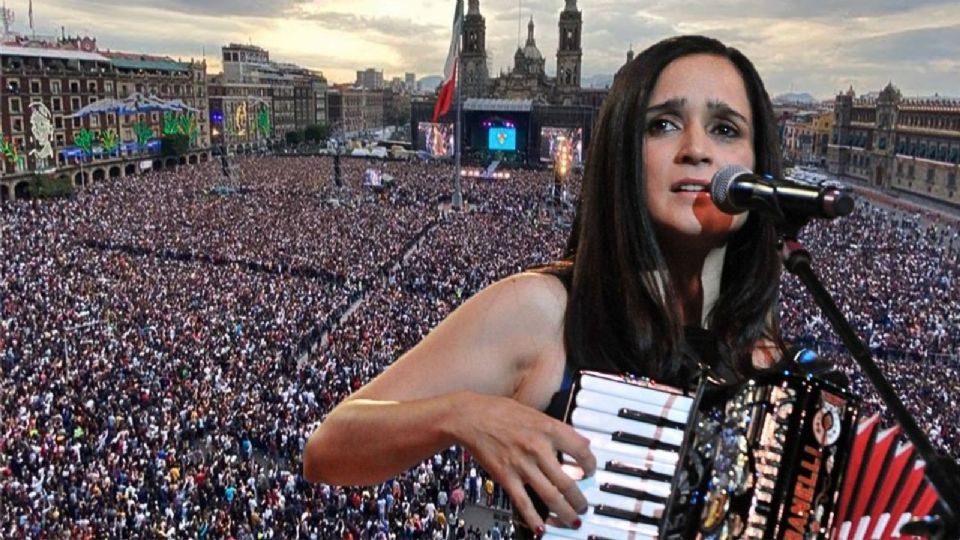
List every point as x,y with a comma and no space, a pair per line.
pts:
818,46
923,45
217,8
394,28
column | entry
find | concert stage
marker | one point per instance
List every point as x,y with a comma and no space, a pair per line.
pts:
515,132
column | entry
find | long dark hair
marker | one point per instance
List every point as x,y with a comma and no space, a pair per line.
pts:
619,313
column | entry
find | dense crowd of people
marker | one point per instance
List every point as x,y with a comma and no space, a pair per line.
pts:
168,342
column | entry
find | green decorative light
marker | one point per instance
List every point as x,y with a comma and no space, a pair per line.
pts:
110,140
11,154
143,132
187,124
84,140
171,123
263,122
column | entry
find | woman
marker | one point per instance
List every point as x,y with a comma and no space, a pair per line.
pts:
649,256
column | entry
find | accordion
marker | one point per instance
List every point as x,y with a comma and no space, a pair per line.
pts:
768,459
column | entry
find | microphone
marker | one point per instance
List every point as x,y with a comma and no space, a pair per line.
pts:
736,189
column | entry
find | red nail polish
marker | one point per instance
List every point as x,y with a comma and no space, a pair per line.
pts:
577,523
539,531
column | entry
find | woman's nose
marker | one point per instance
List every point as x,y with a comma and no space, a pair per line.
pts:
694,147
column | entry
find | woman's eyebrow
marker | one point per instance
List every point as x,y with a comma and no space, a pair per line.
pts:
670,105
723,108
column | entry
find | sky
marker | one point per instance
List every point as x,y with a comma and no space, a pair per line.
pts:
814,46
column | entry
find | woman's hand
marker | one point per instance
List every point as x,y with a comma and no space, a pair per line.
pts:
518,445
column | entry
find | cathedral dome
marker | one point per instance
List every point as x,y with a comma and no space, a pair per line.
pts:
530,50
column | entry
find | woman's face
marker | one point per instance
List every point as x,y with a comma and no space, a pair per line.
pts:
698,120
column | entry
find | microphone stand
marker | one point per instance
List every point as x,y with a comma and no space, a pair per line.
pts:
941,471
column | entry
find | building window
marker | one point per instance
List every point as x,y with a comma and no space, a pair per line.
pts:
34,87
899,168
911,171
75,103
77,123
54,87
61,140
74,87
56,104
94,120
108,86
15,105
58,122
930,173
92,87
13,86
92,99
17,124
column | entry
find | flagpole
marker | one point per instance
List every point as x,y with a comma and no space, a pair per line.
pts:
457,201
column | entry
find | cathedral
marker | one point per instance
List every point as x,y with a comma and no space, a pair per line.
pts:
528,78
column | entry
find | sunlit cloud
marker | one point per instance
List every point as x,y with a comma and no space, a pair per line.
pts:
817,46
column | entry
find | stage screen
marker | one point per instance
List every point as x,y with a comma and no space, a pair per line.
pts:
501,138
372,178
555,140
437,139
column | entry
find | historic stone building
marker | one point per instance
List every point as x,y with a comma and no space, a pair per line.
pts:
527,79
475,80
892,142
256,102
46,84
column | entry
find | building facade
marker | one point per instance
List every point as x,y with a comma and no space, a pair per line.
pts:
806,137
47,85
255,102
902,144
354,111
370,78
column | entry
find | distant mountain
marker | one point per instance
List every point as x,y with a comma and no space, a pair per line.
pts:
601,80
430,83
793,97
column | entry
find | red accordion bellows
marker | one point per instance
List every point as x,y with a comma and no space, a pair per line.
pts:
884,486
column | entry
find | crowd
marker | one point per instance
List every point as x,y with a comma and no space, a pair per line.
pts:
893,274
168,345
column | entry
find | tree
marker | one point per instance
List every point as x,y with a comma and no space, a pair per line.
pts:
176,144
316,133
294,137
50,187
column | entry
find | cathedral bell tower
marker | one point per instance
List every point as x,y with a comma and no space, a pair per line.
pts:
569,53
473,56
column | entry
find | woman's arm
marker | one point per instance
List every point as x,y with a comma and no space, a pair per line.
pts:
461,385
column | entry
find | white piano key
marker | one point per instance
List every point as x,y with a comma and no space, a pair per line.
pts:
608,423
652,487
644,508
603,442
596,401
655,394
603,526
